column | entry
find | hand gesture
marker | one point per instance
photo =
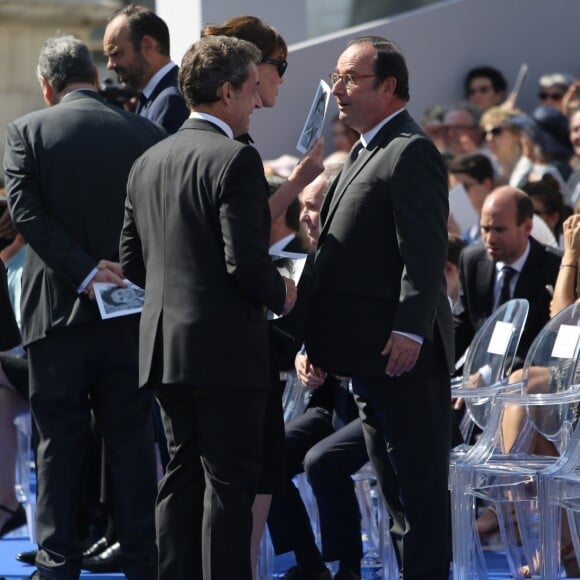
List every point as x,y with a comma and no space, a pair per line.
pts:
309,375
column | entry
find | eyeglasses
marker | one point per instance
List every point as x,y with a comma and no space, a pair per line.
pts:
494,131
349,81
281,65
483,90
544,96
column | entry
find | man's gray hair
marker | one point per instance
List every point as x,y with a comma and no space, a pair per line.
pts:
213,61
65,60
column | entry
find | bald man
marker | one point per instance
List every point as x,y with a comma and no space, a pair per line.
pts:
506,223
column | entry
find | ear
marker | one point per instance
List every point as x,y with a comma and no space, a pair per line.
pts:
390,84
225,92
148,44
47,91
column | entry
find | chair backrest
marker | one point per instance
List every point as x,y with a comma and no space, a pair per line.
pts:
490,358
551,377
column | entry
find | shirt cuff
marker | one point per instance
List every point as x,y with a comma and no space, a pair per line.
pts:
87,280
414,337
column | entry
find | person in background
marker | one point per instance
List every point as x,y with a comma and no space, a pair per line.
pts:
272,68
343,137
78,362
485,87
136,46
551,89
549,204
434,127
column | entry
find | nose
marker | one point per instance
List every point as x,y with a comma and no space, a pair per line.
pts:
338,87
110,63
258,101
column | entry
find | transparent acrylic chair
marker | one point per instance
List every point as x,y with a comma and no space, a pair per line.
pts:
505,465
294,402
25,490
375,520
485,374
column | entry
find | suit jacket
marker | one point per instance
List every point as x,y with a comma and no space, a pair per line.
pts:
381,256
166,106
477,276
196,234
66,171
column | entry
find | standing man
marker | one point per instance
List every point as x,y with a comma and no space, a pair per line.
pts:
379,309
66,172
196,234
136,45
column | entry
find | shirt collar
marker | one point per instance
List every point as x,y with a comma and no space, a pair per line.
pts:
518,265
214,120
367,137
281,244
154,80
89,91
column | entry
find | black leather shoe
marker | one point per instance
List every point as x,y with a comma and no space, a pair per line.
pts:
106,561
27,557
17,519
97,548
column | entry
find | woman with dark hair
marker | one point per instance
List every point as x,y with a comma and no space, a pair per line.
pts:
271,70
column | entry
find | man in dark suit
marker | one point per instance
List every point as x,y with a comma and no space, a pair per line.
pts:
379,310
196,235
506,223
66,170
136,44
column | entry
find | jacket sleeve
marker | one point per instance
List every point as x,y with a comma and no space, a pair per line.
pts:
245,224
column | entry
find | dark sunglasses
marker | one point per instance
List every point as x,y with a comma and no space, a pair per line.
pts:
281,65
554,96
494,131
482,90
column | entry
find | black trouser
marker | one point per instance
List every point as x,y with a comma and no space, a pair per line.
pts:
328,457
204,506
74,371
407,428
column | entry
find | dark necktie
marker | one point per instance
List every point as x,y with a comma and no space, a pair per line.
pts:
504,294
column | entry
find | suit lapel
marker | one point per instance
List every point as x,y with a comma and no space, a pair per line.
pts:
485,284
352,169
168,80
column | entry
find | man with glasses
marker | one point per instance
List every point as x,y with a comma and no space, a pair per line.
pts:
462,131
379,311
136,45
552,88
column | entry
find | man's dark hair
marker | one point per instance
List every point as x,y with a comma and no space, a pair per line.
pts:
142,21
212,61
497,79
254,30
475,165
388,62
65,60
547,190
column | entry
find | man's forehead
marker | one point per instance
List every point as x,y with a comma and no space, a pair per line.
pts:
355,55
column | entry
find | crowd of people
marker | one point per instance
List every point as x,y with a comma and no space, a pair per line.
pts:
166,190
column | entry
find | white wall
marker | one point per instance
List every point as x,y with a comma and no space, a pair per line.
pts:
440,43
185,22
